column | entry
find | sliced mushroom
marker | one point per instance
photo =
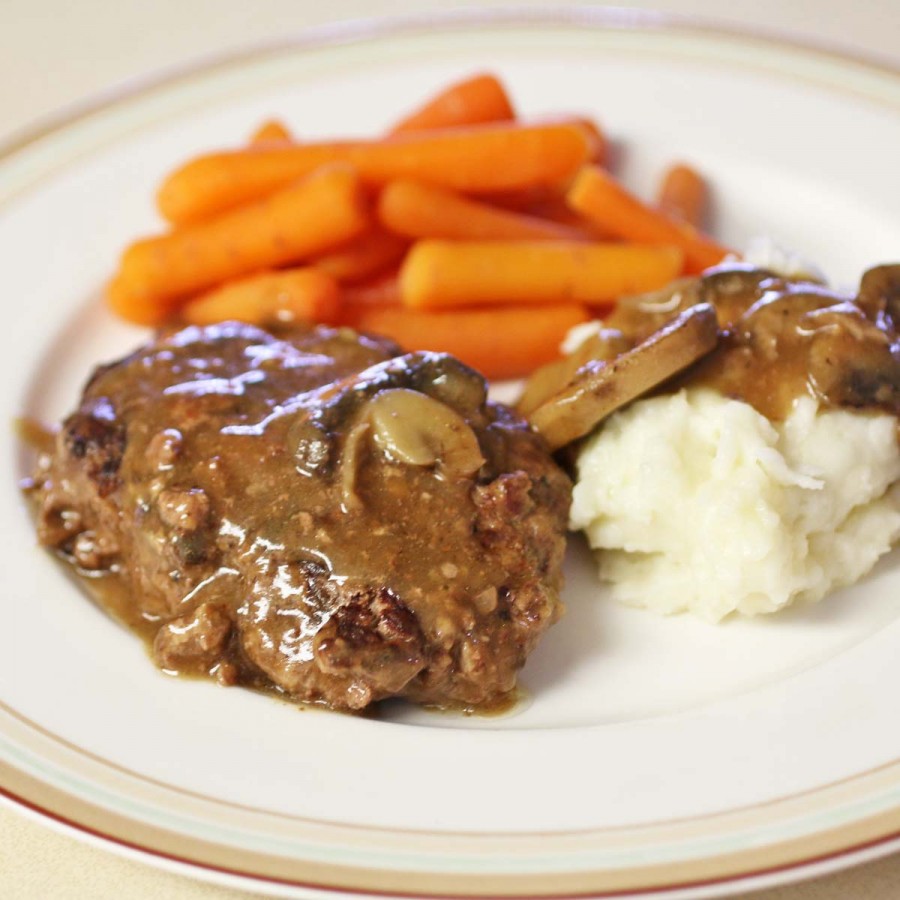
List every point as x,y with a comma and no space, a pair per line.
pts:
418,430
879,297
550,379
599,387
350,463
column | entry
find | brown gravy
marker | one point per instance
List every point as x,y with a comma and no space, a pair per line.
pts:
312,512
781,339
110,592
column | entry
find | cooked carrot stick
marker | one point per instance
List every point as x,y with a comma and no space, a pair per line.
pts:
438,274
553,208
600,198
599,145
500,342
599,150
287,296
683,195
358,300
272,130
421,211
367,255
382,291
526,200
303,220
473,160
473,101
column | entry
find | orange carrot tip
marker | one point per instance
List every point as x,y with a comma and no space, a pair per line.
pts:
473,101
128,298
598,145
684,194
601,199
271,131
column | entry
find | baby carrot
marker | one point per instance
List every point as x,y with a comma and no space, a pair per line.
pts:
438,274
500,342
358,300
598,197
365,256
473,101
598,143
555,209
271,298
299,222
599,150
419,210
475,160
382,291
527,200
683,195
272,130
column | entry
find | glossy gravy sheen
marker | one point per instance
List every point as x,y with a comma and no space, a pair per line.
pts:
781,339
311,513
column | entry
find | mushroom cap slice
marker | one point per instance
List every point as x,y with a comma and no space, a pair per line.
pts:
550,379
599,388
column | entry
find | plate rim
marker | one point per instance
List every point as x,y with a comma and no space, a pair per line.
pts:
373,30
366,29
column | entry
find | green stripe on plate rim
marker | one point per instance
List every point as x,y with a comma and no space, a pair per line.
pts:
140,106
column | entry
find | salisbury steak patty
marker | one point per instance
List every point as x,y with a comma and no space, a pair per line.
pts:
316,513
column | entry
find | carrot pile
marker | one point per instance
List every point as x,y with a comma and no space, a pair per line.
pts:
464,229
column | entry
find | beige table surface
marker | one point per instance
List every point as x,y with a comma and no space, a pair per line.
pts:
54,52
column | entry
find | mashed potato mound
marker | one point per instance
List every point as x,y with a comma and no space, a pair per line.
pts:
700,503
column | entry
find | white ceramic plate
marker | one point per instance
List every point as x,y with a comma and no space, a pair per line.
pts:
651,757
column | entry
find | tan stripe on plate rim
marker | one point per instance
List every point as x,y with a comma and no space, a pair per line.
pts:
99,773
85,816
636,880
757,857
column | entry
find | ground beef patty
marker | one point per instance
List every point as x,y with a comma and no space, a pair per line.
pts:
313,512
